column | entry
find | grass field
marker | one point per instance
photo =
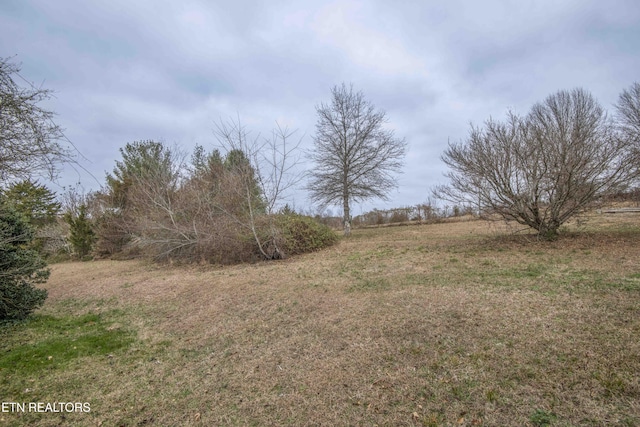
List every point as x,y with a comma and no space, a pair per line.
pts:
454,324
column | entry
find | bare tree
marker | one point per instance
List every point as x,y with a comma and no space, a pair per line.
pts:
355,156
264,179
628,109
30,142
541,169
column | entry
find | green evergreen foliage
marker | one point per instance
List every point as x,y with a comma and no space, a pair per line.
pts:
140,159
207,166
20,267
81,234
34,201
287,210
237,163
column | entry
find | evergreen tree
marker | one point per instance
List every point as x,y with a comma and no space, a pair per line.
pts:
81,234
237,163
33,201
20,267
140,160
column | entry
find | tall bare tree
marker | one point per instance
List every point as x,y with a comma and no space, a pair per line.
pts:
355,156
541,169
30,142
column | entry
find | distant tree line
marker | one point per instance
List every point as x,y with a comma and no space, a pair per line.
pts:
423,213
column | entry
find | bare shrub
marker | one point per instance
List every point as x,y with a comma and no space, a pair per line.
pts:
541,169
54,239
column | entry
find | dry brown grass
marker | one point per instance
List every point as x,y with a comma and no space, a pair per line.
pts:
444,324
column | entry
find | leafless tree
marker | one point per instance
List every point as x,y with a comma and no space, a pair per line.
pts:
541,169
355,156
628,114
30,142
75,196
267,176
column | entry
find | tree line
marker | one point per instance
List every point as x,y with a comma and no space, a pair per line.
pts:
224,205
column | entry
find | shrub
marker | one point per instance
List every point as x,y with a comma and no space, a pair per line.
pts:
21,267
542,169
300,234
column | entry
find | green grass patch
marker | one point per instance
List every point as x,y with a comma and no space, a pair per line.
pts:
46,342
541,418
530,271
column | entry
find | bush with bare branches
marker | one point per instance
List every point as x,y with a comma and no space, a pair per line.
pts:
543,168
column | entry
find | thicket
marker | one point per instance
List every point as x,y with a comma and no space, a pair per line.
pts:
218,207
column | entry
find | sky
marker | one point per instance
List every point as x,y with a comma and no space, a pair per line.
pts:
125,71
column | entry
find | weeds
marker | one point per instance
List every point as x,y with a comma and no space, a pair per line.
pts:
541,418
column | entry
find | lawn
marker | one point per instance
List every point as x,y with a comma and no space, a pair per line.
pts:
460,324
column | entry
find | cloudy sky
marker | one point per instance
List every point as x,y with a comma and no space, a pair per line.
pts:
127,70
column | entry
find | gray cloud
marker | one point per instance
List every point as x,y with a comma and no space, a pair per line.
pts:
126,71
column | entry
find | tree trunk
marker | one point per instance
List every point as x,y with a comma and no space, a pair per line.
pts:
549,231
347,217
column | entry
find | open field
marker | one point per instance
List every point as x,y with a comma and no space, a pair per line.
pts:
448,324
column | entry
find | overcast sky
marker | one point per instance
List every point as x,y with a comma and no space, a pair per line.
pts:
127,70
